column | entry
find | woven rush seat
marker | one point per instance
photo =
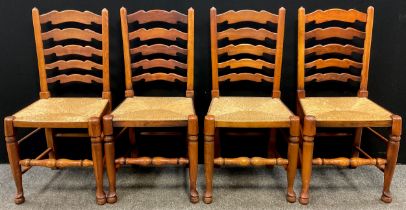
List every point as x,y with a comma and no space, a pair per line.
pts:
236,110
61,110
154,109
328,110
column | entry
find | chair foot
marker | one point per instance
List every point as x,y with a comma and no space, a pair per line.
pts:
101,200
291,197
19,199
111,198
207,200
386,197
303,200
194,197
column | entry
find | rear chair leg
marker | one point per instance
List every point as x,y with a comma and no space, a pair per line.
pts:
357,143
110,157
49,136
97,155
293,152
193,130
309,131
133,148
391,157
272,145
209,130
14,158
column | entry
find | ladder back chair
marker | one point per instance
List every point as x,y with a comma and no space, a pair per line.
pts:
64,112
349,112
248,112
140,111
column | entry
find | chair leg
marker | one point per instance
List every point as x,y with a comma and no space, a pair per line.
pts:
49,136
272,145
193,131
391,157
14,158
133,148
293,152
110,157
97,155
357,142
209,130
309,131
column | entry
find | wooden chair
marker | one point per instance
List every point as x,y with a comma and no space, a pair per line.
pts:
56,112
352,112
140,111
248,112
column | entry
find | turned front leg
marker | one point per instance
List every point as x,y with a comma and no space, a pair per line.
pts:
209,130
391,157
293,152
193,129
309,131
97,155
110,157
14,158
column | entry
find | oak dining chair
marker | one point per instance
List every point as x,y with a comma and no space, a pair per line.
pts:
49,112
332,53
155,29
248,112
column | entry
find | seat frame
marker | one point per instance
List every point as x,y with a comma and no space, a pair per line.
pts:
310,123
191,123
93,126
211,128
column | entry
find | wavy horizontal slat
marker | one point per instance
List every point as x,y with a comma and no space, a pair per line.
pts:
162,63
261,17
57,17
158,48
58,34
74,64
257,77
157,15
157,33
171,77
246,33
245,48
334,48
257,64
350,16
333,62
325,33
60,50
342,77
86,78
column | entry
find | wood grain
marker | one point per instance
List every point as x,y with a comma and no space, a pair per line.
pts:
257,77
191,61
246,33
161,63
334,48
336,32
245,161
213,52
258,50
157,33
171,77
345,162
261,17
142,16
74,64
350,16
63,78
58,34
158,48
57,17
342,77
57,163
257,64
333,62
60,50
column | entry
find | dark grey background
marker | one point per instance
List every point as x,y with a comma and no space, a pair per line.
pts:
19,84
